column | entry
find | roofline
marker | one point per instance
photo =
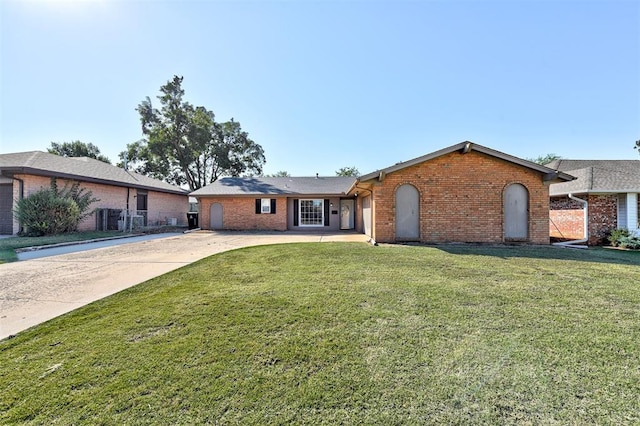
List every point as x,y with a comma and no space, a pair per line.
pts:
70,176
465,147
595,192
274,195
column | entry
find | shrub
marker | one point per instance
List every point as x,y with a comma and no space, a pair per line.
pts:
630,242
616,236
51,211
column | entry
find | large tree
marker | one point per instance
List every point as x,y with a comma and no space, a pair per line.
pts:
77,149
184,145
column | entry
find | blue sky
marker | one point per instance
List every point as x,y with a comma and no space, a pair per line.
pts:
327,84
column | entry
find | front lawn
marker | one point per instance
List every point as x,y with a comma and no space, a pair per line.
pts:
345,333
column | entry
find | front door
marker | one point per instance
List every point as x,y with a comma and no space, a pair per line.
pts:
215,216
347,214
407,213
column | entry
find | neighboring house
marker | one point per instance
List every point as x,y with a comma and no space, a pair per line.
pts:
604,196
277,203
463,193
149,201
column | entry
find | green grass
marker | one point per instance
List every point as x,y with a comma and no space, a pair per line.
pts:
339,333
8,246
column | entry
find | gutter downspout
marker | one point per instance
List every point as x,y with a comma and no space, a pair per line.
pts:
578,243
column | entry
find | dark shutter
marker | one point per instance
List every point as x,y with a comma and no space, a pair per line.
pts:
295,212
273,206
258,206
326,212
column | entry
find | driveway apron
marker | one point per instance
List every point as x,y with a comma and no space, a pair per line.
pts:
38,290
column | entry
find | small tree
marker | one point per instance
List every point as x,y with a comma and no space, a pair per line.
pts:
637,146
281,173
545,159
52,211
348,171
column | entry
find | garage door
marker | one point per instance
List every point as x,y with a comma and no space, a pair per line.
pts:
6,205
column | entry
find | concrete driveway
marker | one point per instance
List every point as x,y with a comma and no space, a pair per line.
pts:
38,290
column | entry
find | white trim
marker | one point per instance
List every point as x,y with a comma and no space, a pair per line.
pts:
265,206
632,212
314,225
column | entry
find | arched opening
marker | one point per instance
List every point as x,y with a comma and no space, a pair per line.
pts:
215,216
516,213
407,213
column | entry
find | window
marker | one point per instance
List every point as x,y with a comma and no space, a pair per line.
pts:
266,206
141,203
311,212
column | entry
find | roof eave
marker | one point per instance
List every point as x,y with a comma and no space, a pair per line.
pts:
466,147
70,176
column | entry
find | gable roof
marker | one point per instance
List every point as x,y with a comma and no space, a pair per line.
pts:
465,147
81,169
597,176
252,186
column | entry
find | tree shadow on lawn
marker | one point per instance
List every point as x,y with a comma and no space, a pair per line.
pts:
592,254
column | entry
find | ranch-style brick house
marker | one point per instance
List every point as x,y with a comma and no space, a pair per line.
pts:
604,196
145,200
462,193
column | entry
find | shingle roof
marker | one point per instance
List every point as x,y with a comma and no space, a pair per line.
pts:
334,185
597,176
466,146
79,168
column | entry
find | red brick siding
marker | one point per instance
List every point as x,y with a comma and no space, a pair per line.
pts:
603,217
566,218
115,197
240,213
461,199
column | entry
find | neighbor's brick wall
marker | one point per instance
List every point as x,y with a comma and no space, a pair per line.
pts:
240,214
461,199
111,197
603,217
566,218
163,206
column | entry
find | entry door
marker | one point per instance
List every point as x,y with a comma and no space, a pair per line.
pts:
215,216
516,213
366,215
407,213
347,208
6,212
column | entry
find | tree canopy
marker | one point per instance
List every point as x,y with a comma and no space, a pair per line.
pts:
77,149
545,159
184,145
348,171
637,146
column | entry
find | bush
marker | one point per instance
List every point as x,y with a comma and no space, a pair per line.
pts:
50,211
630,242
617,235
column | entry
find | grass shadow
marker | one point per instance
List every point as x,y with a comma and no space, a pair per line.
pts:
592,254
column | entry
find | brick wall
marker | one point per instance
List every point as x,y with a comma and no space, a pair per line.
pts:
461,199
112,197
603,217
240,214
566,218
